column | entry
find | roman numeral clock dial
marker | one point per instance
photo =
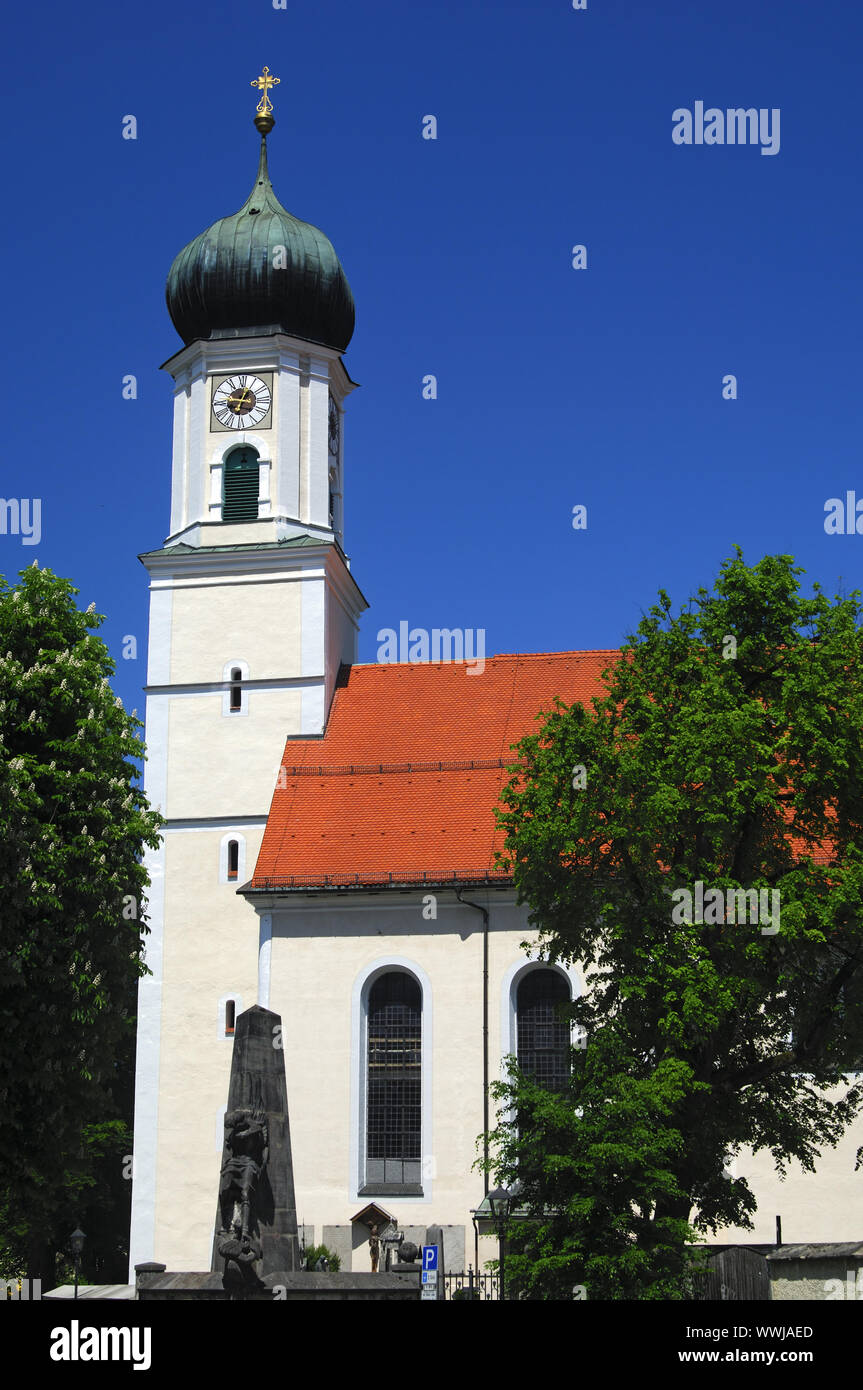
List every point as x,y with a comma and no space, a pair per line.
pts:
240,401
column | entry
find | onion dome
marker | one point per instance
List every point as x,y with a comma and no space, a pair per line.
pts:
261,271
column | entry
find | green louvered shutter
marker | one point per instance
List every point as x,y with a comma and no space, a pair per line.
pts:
240,497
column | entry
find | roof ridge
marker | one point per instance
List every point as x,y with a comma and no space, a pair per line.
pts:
499,656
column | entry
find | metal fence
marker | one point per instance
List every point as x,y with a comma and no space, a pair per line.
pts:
471,1286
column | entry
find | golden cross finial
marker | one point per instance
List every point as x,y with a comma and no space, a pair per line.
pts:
263,83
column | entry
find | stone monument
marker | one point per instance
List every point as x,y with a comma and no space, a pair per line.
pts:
256,1252
256,1220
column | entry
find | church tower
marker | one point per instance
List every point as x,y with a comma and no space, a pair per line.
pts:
253,610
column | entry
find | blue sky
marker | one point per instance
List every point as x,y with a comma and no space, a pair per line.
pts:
555,386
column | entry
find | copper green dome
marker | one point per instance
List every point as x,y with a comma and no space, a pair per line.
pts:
261,271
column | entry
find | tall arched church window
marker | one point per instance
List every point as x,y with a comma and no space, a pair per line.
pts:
241,485
542,1030
394,1075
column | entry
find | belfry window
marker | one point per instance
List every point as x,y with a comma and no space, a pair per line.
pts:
394,1075
240,486
542,1030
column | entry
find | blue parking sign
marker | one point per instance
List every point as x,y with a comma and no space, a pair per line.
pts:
430,1254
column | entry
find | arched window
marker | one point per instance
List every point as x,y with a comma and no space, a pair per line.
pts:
233,858
230,1016
394,1076
542,1030
241,485
235,690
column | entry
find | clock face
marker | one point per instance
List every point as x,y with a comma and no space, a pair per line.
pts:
242,400
334,428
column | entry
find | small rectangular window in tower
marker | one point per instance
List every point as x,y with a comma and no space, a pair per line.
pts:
230,1013
233,858
236,690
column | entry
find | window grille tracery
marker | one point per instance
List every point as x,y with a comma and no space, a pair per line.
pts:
543,1032
394,1080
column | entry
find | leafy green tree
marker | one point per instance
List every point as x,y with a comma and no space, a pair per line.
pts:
74,825
725,749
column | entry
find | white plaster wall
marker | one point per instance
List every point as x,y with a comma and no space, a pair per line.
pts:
208,954
319,456
821,1206
226,765
341,641
287,483
320,950
180,472
221,619
318,954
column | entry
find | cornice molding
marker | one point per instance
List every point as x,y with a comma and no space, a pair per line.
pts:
272,352
276,562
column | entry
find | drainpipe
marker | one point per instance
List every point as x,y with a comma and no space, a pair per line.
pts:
484,912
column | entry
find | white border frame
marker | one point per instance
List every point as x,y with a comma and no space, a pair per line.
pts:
241,857
220,1017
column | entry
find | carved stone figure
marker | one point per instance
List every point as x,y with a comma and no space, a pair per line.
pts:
374,1247
255,1221
247,1142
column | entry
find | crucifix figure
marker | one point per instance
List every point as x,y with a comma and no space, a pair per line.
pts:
263,83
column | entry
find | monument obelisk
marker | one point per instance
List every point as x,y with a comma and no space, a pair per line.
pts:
256,1218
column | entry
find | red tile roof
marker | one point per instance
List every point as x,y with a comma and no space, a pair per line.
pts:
403,785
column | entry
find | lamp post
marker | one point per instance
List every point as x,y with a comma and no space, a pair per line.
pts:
500,1202
76,1240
